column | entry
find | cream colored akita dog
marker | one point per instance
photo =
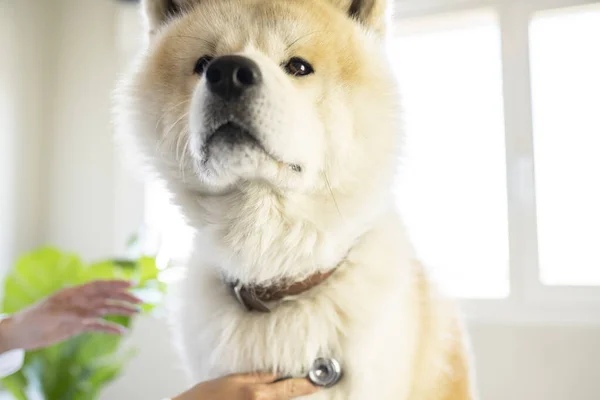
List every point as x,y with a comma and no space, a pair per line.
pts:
274,125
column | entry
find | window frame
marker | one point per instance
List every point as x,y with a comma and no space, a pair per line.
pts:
529,301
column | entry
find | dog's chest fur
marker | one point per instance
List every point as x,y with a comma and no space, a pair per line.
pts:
361,316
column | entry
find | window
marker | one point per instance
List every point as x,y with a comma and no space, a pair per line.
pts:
500,180
452,187
565,65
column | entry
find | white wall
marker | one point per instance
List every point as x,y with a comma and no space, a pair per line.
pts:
80,179
59,163
68,190
28,74
7,124
540,362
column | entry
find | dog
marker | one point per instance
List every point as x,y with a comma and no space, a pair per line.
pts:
274,125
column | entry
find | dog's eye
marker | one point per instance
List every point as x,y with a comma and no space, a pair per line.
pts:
298,67
201,64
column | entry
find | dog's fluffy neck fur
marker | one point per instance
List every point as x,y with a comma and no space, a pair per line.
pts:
256,235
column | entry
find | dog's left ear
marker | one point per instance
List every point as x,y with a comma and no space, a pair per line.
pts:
158,12
372,14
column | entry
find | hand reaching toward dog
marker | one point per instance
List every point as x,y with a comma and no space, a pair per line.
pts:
67,313
249,387
76,310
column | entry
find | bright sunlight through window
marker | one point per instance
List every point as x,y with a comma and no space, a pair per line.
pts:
452,186
565,67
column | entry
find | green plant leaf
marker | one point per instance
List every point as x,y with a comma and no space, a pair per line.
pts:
16,384
148,269
37,275
133,240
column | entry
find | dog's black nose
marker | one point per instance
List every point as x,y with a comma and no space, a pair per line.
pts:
229,76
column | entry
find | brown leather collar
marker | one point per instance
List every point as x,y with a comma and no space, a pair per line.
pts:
255,297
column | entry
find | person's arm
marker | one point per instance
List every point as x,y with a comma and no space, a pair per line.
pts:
11,360
67,313
248,387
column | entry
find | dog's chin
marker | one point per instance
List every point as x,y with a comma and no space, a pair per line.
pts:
232,155
229,155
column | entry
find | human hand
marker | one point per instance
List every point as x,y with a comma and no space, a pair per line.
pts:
249,387
67,313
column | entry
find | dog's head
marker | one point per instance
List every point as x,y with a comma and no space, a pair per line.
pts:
292,95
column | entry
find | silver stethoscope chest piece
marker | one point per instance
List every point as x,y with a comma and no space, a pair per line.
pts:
325,372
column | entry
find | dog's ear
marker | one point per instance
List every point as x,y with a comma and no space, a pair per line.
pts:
158,12
372,14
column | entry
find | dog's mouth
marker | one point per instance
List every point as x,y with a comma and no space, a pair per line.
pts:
232,135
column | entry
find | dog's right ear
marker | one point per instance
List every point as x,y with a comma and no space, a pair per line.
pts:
158,12
372,14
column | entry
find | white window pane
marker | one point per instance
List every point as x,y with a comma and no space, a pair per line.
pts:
452,186
565,67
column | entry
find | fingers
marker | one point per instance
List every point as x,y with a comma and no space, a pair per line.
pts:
98,292
256,378
114,294
97,299
126,297
116,309
108,289
100,289
291,388
101,326
105,286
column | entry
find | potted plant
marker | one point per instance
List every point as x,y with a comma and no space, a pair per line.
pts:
77,369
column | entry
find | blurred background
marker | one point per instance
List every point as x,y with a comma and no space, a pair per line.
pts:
500,183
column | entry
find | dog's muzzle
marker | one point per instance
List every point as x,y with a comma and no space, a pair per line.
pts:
229,77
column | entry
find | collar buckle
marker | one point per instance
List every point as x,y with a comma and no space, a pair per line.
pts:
247,300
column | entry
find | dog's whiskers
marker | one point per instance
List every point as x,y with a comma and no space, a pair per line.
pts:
288,47
161,147
332,195
203,40
180,136
183,161
168,110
